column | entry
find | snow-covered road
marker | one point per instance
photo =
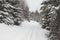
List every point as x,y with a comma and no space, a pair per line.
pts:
27,31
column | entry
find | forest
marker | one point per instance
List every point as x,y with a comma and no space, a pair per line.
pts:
14,12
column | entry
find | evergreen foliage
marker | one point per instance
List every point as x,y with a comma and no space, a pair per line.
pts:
51,18
11,13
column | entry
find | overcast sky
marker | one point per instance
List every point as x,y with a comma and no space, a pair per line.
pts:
34,4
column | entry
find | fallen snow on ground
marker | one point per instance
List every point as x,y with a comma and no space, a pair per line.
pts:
27,31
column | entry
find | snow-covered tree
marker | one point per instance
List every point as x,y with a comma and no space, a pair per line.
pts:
51,18
12,11
35,16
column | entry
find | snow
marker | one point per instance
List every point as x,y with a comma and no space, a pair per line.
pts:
27,31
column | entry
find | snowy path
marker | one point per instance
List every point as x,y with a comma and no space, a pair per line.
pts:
27,31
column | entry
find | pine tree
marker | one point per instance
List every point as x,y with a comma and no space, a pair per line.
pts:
51,18
11,13
37,19
26,13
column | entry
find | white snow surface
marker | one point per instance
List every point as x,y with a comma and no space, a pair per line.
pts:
27,31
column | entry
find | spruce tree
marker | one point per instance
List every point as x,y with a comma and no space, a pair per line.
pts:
11,13
51,18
